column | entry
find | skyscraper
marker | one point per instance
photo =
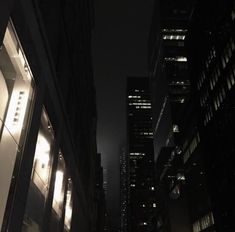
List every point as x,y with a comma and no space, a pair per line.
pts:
211,58
171,88
124,190
140,153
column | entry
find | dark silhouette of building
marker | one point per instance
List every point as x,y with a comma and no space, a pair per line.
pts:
193,168
47,117
140,153
170,88
213,79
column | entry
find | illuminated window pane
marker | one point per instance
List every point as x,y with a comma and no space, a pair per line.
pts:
58,196
40,177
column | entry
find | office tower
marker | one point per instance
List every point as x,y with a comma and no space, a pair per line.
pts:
124,190
140,154
211,57
48,117
168,69
172,109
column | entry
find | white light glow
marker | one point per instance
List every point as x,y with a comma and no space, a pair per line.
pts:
173,37
58,196
68,210
177,59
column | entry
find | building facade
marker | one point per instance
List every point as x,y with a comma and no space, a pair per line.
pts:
124,190
48,117
213,76
190,169
140,154
172,109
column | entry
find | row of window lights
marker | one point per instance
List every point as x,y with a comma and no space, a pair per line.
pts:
137,154
227,53
219,98
187,82
177,59
154,205
179,100
204,222
173,37
143,107
139,104
204,98
174,30
208,116
201,80
231,78
130,96
215,78
137,100
191,148
211,56
139,90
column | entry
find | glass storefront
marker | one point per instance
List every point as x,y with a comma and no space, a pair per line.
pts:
16,94
40,177
16,101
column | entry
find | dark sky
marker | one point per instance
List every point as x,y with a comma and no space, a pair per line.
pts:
119,50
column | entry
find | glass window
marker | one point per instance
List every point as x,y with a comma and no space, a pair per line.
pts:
16,93
58,195
40,177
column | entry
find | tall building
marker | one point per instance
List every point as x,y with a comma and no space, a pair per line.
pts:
193,169
47,117
211,46
172,111
140,153
124,190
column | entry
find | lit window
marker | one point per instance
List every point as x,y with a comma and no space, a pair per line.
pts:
229,83
223,62
177,59
174,37
154,205
174,30
58,196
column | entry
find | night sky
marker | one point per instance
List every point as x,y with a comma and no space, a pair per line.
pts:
119,50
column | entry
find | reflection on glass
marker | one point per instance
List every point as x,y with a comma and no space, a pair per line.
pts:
40,175
40,178
58,196
68,207
16,93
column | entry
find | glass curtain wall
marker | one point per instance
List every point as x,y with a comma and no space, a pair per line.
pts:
16,94
40,177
